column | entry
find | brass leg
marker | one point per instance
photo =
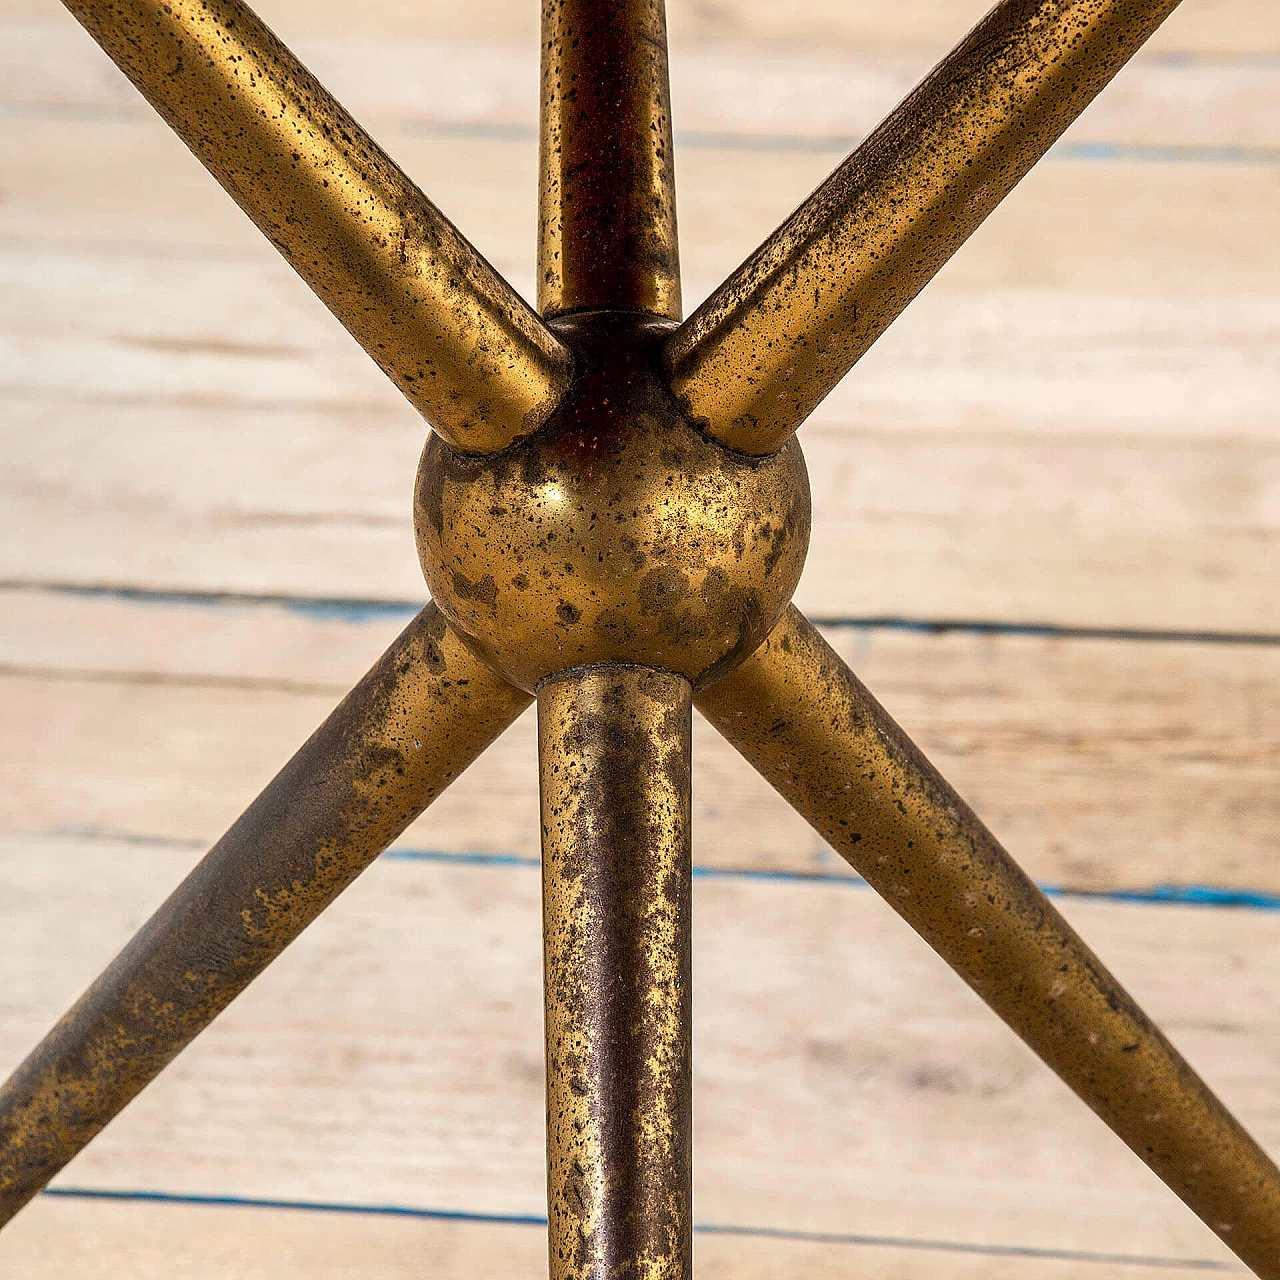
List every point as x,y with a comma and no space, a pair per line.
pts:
624,536
797,713
761,353
424,712
613,750
458,341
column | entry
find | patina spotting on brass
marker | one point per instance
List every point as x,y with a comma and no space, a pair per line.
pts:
611,525
606,194
471,356
616,533
797,713
424,712
760,354
613,752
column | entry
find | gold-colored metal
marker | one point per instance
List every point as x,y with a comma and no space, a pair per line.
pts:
617,533
423,713
606,194
471,356
591,525
797,713
614,754
761,353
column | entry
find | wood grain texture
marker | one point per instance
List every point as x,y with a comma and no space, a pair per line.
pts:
91,1240
1211,26
804,96
393,1055
1076,424
1102,764
935,494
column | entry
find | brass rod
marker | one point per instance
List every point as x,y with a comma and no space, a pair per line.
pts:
760,354
471,356
606,194
614,752
797,713
424,712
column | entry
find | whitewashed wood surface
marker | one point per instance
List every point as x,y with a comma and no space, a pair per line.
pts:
1105,764
1075,428
845,1082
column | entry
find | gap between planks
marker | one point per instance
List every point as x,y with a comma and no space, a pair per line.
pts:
1104,764
96,1240
845,1082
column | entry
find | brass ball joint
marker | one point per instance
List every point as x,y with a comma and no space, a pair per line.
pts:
617,532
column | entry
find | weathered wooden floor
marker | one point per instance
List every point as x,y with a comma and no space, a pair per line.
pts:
1047,534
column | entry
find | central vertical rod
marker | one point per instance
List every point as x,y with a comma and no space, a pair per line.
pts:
614,754
606,191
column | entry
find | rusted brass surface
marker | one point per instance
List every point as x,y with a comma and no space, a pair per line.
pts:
468,352
797,713
612,512
424,712
761,353
613,752
617,533
607,197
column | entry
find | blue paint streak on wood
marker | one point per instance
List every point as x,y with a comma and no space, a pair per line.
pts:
353,610
718,1229
1190,895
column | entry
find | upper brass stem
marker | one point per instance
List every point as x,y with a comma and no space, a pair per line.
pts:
606,194
760,354
801,717
471,356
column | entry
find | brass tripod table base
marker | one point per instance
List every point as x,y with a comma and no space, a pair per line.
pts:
612,514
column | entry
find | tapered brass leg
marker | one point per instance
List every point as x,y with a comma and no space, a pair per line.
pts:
761,353
421,715
796,712
613,751
457,340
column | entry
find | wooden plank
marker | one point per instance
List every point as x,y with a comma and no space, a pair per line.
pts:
1102,528
81,321
1083,312
758,94
1210,26
1009,342
1106,226
1103,764
96,1240
845,1082
53,1239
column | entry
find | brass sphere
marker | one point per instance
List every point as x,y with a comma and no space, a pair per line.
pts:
616,533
